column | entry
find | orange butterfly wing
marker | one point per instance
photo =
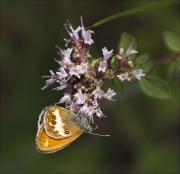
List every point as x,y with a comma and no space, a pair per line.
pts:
46,144
49,140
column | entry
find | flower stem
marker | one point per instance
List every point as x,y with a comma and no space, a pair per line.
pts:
131,11
158,61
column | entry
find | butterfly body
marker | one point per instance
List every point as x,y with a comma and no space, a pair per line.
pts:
58,127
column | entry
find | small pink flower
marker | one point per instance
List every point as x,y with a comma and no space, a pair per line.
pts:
79,97
107,54
138,73
99,113
130,51
110,93
86,35
102,66
62,73
66,98
98,93
123,77
82,68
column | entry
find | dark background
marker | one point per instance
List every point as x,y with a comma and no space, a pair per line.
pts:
144,131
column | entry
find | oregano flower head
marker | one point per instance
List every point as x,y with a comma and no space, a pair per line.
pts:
82,77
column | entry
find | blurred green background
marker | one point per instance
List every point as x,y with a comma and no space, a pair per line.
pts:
144,131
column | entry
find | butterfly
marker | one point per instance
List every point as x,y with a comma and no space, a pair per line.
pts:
58,127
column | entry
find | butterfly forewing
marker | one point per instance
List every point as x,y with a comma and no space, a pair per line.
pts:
59,123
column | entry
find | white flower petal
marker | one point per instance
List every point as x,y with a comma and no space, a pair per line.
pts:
130,51
110,93
99,113
66,98
74,71
107,54
62,73
86,35
123,77
62,83
98,93
102,66
80,98
84,109
82,68
138,73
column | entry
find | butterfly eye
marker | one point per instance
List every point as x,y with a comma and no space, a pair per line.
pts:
66,132
53,122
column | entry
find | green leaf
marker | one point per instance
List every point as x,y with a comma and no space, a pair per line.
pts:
120,85
172,41
155,87
165,70
113,66
93,61
125,42
142,58
147,65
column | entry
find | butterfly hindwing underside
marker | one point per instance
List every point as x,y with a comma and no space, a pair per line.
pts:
57,128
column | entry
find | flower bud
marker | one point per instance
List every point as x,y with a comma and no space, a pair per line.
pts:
121,51
89,56
109,74
125,64
119,57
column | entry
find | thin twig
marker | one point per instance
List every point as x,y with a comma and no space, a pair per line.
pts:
158,61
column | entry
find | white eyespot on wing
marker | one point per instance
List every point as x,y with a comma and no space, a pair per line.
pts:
46,143
59,124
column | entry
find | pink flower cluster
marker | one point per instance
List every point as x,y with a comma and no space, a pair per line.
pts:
81,79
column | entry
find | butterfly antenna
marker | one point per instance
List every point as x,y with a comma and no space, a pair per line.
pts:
99,134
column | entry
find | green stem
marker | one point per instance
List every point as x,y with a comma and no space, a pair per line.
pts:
132,11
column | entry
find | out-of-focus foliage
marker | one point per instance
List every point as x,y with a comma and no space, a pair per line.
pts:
151,85
172,41
144,131
155,87
119,84
125,41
